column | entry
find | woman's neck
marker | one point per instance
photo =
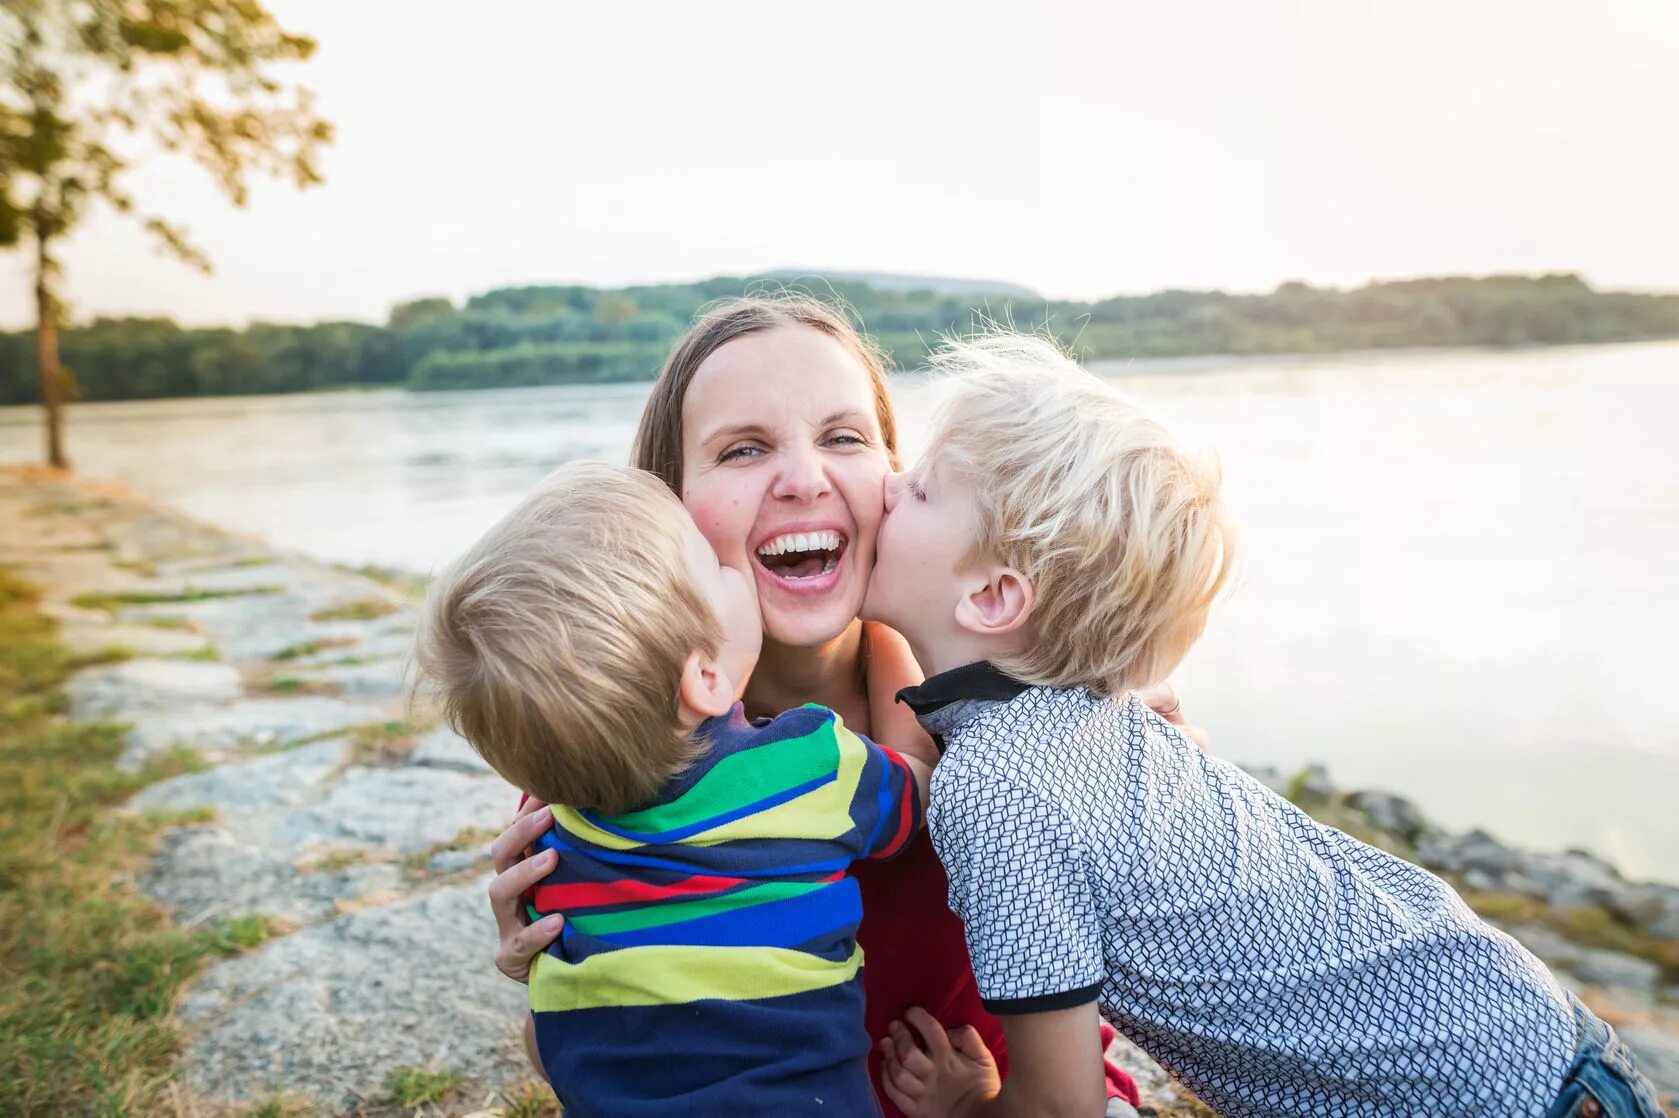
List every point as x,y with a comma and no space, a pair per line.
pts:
830,674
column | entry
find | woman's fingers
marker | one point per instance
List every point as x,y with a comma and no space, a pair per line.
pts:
1163,699
518,950
511,844
507,890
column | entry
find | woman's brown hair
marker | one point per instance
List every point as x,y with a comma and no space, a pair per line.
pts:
658,441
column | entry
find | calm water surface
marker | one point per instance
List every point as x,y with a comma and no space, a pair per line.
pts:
1457,573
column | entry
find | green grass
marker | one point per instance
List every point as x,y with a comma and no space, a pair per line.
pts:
115,600
209,654
417,1086
89,969
163,622
110,654
292,685
362,609
309,648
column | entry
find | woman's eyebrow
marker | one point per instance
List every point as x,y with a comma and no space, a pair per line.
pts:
735,431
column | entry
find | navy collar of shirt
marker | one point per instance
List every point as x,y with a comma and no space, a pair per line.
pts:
982,680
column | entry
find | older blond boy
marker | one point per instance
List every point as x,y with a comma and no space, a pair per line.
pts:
593,650
1053,550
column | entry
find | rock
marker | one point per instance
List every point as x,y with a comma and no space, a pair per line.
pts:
453,861
1551,947
1657,1054
1611,969
400,809
445,749
1270,776
121,690
1314,782
378,679
242,724
1393,814
240,791
333,1010
209,873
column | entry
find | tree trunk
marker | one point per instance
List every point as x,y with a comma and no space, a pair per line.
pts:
46,354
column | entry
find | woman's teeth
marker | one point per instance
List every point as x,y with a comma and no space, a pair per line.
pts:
800,541
799,555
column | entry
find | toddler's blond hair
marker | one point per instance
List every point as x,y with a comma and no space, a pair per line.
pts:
1121,531
556,643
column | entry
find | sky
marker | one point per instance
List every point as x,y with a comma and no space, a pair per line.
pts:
1082,149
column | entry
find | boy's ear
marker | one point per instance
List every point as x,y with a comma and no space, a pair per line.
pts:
704,689
999,606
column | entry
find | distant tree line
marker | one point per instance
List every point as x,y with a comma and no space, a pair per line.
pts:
558,335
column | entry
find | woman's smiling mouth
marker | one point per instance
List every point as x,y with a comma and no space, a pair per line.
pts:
801,557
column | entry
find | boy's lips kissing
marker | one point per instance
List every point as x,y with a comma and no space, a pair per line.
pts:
803,560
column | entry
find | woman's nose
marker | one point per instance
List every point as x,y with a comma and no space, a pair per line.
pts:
802,477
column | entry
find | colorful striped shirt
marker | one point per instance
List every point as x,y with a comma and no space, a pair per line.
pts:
709,961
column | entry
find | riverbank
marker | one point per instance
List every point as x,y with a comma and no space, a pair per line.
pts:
308,862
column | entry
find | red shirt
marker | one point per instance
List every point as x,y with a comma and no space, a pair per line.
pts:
915,954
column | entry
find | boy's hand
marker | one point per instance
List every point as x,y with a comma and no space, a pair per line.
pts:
945,1075
517,871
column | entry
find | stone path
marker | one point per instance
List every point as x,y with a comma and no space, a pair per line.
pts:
362,837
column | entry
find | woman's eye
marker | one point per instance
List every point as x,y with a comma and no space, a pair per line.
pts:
737,453
848,438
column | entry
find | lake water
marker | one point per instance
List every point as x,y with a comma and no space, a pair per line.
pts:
1457,579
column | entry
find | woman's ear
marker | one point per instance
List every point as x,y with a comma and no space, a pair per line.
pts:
704,689
999,606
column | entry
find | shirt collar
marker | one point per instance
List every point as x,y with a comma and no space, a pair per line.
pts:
982,680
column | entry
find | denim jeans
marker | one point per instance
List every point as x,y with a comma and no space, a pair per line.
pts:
1603,1082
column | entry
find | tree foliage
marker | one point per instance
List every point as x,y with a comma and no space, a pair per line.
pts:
90,88
555,335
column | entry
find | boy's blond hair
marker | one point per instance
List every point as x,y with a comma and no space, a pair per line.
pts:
555,645
1120,531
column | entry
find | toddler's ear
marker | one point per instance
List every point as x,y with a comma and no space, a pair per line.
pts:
705,690
998,607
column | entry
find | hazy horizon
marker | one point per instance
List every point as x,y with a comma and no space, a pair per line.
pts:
1080,150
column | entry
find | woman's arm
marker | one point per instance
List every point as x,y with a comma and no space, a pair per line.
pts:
892,668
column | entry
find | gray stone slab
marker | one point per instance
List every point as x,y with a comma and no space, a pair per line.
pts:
242,790
239,725
333,1010
445,749
1657,1053
208,872
379,679
401,809
132,688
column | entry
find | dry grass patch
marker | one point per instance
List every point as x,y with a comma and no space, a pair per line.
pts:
362,609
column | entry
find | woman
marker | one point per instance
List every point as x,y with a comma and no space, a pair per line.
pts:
771,421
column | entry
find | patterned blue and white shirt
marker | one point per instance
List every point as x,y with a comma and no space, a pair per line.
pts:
1273,964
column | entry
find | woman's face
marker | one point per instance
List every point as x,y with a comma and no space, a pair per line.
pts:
782,469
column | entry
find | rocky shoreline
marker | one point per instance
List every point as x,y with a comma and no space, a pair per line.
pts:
359,834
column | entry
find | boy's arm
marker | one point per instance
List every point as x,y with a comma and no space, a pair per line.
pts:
1055,1061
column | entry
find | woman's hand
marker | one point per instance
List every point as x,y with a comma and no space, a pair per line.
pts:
943,1076
1164,701
516,871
